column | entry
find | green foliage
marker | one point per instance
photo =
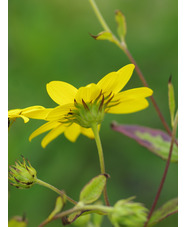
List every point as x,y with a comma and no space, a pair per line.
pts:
154,140
121,24
160,146
105,35
164,211
92,191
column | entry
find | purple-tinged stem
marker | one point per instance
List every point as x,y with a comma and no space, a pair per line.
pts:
165,171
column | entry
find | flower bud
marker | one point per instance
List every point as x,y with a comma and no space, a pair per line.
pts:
22,175
128,213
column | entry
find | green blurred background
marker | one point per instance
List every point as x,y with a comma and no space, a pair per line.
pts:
49,40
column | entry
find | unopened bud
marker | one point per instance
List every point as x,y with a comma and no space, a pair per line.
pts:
128,213
22,175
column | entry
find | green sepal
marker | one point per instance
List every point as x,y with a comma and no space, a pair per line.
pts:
121,24
171,98
92,191
164,211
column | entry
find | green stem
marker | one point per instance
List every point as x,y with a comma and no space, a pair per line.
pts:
99,146
101,158
61,193
99,16
103,209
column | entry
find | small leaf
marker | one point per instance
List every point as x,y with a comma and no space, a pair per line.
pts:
82,220
104,36
92,191
171,100
154,140
58,206
17,222
163,212
121,22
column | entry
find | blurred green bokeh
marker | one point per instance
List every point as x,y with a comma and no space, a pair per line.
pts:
49,40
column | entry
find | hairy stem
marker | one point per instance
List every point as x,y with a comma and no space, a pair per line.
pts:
101,158
165,171
61,193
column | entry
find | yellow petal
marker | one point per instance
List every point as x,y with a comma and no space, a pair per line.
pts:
134,93
115,81
38,114
88,93
12,113
53,134
72,132
129,106
44,128
25,119
88,132
31,108
61,92
60,111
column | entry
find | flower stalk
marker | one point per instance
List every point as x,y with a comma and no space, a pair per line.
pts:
101,159
61,193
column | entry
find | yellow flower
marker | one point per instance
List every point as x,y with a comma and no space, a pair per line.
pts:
80,109
37,112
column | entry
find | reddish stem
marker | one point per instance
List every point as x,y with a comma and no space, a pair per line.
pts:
164,174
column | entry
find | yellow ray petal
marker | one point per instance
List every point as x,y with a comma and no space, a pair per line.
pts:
134,93
115,81
25,119
60,111
72,132
88,93
31,108
14,112
37,114
61,92
129,106
44,128
53,134
88,132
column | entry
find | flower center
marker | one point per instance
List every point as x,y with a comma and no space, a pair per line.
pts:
86,114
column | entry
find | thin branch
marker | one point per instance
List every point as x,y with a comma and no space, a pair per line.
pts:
165,171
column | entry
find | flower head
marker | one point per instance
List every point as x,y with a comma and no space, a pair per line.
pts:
79,109
22,175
